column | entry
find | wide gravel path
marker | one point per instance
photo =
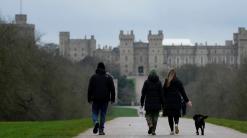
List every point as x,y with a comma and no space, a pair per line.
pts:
136,127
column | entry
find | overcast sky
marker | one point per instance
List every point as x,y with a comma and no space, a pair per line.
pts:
213,21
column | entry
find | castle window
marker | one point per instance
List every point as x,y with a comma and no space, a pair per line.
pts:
177,60
126,58
126,43
155,59
186,62
82,49
75,54
75,49
201,60
126,66
82,54
155,66
170,61
140,58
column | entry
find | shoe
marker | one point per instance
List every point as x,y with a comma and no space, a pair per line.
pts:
101,132
172,133
150,130
153,133
96,128
176,129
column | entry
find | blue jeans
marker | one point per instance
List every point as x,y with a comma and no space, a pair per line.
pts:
99,108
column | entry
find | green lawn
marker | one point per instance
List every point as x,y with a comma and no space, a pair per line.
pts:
122,112
46,129
55,129
234,124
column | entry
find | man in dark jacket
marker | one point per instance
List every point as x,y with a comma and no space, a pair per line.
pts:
152,96
101,90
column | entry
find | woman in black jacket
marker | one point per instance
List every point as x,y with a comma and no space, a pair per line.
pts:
173,90
152,96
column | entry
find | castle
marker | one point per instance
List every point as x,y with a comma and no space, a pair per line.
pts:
22,28
138,58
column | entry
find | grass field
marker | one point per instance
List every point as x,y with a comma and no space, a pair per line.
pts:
122,112
47,129
55,129
237,125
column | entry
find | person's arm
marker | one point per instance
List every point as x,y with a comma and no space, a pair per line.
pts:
90,89
112,90
182,91
143,94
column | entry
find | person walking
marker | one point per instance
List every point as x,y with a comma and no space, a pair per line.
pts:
173,91
101,90
153,99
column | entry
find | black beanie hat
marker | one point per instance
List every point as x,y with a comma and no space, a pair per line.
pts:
101,65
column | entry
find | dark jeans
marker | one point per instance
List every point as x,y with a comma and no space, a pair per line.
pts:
171,120
99,108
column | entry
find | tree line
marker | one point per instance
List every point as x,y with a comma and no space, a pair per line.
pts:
36,85
216,90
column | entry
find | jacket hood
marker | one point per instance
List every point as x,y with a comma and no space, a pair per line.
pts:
153,78
100,71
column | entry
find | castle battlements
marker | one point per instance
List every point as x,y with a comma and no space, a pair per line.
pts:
127,37
153,37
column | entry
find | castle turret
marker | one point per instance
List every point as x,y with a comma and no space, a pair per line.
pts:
240,40
21,19
156,56
126,52
127,39
92,45
63,43
155,39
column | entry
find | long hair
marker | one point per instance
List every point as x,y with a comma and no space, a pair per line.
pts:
171,76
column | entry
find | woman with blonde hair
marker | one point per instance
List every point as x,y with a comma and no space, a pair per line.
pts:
173,91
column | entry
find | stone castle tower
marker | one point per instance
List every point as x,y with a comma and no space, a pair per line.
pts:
155,54
138,58
64,43
76,49
240,41
126,49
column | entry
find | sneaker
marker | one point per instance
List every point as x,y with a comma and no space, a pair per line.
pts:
96,128
150,130
172,133
176,129
101,132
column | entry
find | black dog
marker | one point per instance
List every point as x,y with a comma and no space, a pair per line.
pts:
199,122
